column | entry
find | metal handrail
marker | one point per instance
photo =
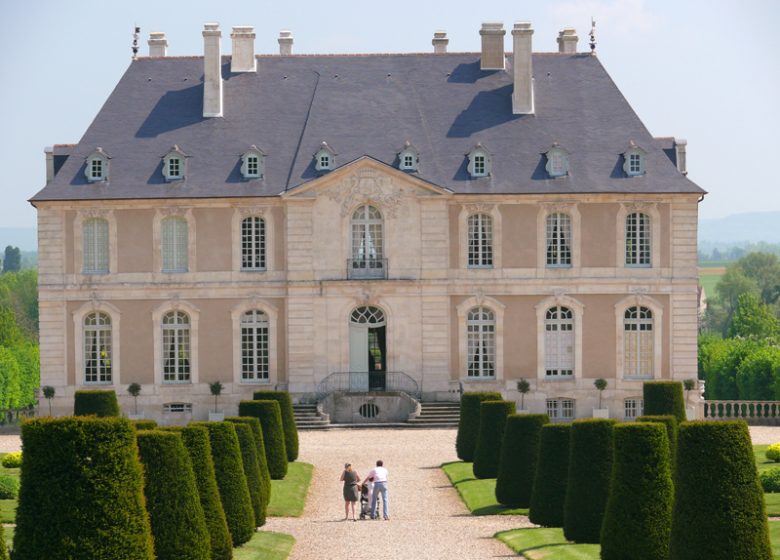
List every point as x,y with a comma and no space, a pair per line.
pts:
367,382
367,269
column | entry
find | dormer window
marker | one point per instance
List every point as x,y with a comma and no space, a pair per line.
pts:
634,160
173,164
557,161
480,162
408,157
253,163
325,158
96,168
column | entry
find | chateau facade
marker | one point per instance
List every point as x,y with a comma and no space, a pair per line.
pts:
430,222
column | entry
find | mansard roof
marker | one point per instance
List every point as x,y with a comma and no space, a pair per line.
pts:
367,105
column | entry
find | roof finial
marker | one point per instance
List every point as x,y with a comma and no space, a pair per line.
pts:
592,35
136,32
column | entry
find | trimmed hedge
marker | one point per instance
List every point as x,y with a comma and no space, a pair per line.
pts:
144,424
468,424
590,469
664,397
9,488
81,492
262,462
552,472
98,403
196,440
770,480
671,432
178,523
518,459
270,416
719,506
638,518
3,548
772,453
288,419
231,480
12,460
252,471
492,419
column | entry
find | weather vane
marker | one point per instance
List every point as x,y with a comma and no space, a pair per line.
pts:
136,32
592,35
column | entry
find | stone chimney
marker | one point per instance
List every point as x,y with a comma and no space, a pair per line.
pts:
49,152
492,46
440,42
523,90
567,40
285,42
212,71
158,44
680,145
243,58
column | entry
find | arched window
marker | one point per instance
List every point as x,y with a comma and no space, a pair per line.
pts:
367,316
558,235
254,346
559,343
97,348
95,246
638,248
367,242
253,243
481,342
480,242
175,240
638,342
176,350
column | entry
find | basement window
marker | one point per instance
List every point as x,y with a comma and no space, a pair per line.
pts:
177,408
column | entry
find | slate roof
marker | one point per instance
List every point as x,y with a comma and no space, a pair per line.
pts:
364,105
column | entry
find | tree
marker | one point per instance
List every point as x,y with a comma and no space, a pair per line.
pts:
753,319
733,284
216,390
48,393
600,385
764,270
10,380
134,389
12,261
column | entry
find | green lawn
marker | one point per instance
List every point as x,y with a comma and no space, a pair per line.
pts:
288,496
265,546
8,507
549,544
478,495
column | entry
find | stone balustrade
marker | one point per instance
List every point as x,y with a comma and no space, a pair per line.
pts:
754,412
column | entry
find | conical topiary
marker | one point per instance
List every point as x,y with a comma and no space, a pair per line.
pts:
670,423
664,397
288,419
518,460
268,412
252,470
95,403
492,418
3,548
468,424
262,462
552,472
719,510
638,518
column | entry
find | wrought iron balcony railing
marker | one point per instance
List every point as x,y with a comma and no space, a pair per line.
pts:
366,382
362,269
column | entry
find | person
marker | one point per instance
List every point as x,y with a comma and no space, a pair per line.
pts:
351,481
378,476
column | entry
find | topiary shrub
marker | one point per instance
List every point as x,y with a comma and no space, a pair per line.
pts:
552,472
468,424
81,492
638,517
3,548
252,471
9,487
145,424
262,462
196,440
518,459
12,460
719,506
172,500
269,414
231,480
671,432
492,419
770,480
590,469
664,397
97,403
288,419
772,453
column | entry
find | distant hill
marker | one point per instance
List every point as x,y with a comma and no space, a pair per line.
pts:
736,229
24,238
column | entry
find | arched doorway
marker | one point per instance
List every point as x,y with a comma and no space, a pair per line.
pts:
367,349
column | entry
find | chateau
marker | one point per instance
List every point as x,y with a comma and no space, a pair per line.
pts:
424,222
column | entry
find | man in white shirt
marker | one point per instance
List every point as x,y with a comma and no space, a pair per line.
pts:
378,476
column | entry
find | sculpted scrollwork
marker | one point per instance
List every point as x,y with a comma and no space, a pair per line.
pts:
479,208
368,186
247,211
88,213
640,207
173,211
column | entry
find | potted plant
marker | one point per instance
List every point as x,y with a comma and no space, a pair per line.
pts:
48,392
600,384
690,411
216,390
135,389
523,387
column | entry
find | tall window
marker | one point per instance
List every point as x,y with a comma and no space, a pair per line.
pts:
175,239
559,343
367,234
254,346
481,341
558,239
480,241
95,246
97,348
638,342
560,409
638,239
176,347
253,243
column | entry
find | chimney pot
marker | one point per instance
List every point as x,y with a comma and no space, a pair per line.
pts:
440,42
680,145
158,44
523,88
285,42
212,71
492,34
567,40
243,58
49,152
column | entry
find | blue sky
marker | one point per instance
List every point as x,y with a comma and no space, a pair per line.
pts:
707,71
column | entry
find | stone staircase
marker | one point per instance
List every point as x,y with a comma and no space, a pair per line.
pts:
307,417
437,415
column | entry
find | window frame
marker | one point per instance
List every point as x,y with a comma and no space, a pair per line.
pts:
322,164
101,157
254,157
557,162
643,236
638,408
633,154
79,316
651,209
256,253
367,229
555,413
658,333
167,165
175,244
481,168
158,343
102,377
479,241
558,324
97,264
467,210
578,310
498,310
272,313
561,245
188,216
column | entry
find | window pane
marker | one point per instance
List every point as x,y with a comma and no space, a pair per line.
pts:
638,239
95,246
480,240
558,232
253,244
559,343
174,244
97,348
481,342
254,346
367,236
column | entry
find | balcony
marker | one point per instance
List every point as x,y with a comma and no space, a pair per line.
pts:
367,269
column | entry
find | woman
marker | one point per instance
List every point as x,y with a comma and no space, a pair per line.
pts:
351,482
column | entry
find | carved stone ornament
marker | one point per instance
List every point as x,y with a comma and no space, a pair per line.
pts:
247,211
368,186
169,211
639,290
479,208
94,301
555,207
89,213
640,207
479,296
